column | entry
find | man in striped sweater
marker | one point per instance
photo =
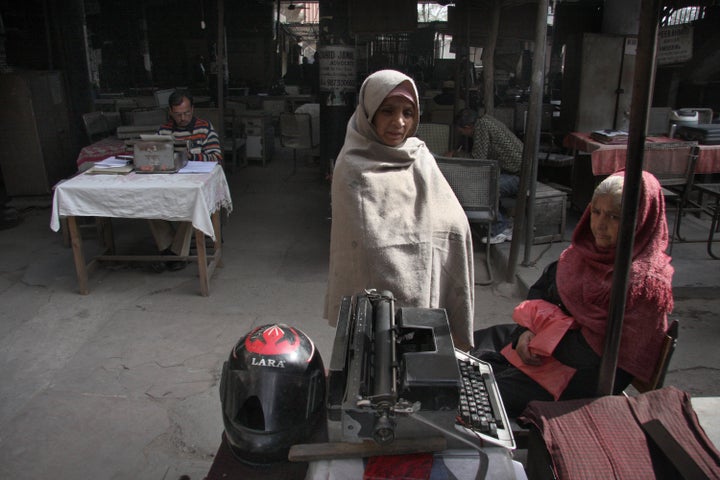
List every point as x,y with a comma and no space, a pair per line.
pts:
184,125
173,238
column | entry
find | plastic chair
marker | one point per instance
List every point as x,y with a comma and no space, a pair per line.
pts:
435,135
296,133
475,183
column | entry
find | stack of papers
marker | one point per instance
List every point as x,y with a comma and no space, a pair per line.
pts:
112,165
198,167
610,136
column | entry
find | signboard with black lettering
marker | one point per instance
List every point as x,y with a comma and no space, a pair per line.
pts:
674,44
337,72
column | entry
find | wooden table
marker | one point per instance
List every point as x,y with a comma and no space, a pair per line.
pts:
607,159
197,198
594,160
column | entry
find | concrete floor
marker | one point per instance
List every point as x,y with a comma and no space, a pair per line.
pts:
123,383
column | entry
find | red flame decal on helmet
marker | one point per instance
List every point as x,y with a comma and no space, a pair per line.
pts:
273,340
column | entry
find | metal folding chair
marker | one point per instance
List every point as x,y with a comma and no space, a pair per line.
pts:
475,183
436,136
674,166
296,133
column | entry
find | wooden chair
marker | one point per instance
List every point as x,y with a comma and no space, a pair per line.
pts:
475,183
436,136
657,380
658,377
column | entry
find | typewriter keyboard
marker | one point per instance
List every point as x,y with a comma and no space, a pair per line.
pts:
478,410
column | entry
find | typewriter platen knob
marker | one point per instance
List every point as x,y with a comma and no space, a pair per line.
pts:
384,432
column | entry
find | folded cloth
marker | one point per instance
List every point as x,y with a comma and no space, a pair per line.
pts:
549,323
604,437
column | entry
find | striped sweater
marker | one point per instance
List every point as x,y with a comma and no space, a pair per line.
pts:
204,141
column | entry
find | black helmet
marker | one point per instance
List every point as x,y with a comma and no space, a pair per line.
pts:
272,392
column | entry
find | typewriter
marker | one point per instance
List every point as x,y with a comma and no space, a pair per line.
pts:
159,154
396,374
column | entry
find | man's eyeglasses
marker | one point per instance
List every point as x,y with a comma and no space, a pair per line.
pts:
182,114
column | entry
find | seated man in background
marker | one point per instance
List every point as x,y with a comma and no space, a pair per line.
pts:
184,125
173,238
493,139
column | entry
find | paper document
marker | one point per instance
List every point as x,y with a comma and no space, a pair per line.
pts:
111,162
156,138
198,167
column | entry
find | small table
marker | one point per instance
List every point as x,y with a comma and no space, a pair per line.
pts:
197,198
712,189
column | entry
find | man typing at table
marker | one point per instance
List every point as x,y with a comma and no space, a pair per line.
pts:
173,238
184,125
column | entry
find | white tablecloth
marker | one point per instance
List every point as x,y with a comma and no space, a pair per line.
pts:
191,197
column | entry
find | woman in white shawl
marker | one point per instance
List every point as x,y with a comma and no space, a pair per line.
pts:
396,224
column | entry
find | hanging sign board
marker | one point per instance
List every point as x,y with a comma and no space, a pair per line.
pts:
674,44
337,69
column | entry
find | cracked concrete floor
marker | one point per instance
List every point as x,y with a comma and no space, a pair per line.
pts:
123,383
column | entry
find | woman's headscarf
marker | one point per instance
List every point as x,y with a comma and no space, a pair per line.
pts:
396,223
585,277
361,132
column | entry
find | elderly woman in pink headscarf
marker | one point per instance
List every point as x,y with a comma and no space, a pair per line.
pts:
556,352
396,223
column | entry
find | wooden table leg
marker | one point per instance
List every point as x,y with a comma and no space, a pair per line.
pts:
217,228
205,269
202,263
78,256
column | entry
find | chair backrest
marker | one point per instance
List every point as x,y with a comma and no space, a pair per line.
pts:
672,163
475,183
296,130
162,97
442,115
99,125
658,377
151,118
274,107
436,136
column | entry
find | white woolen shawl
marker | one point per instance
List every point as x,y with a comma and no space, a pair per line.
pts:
396,223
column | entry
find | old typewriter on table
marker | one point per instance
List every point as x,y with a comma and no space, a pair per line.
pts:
396,375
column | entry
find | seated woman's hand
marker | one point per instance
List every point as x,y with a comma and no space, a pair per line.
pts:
523,349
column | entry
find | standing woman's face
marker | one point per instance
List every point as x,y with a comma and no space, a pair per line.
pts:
394,120
604,221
